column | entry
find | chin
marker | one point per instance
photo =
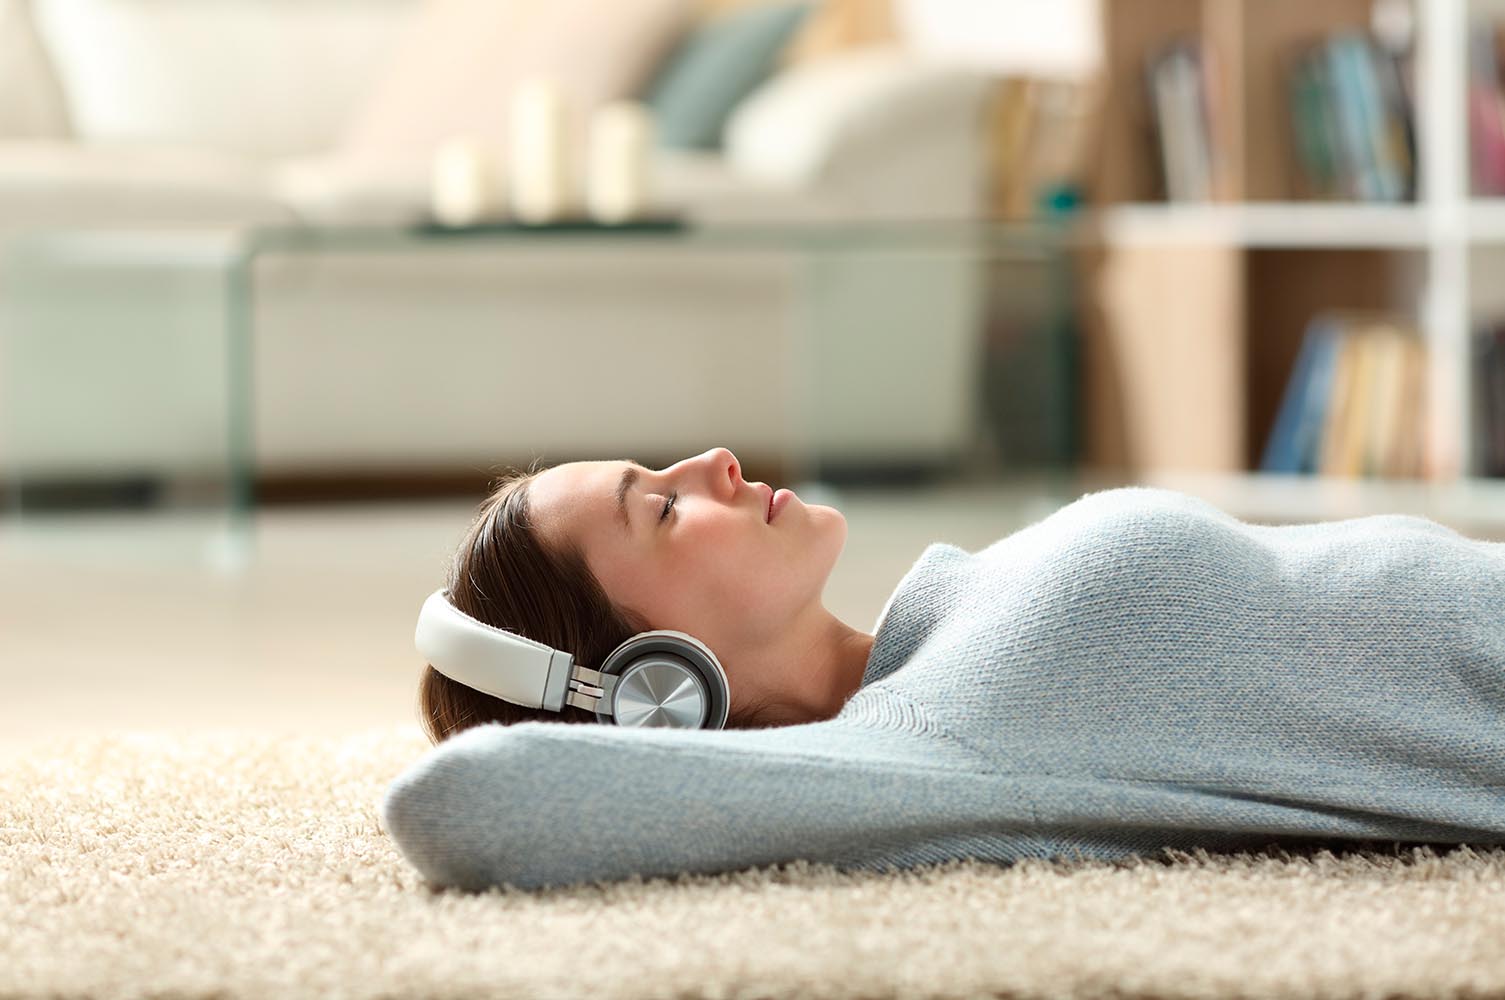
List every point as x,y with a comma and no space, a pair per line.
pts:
837,527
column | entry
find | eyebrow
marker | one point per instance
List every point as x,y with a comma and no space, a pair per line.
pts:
629,477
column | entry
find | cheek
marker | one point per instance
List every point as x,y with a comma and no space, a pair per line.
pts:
720,570
720,564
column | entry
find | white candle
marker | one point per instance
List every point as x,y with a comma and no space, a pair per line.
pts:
464,182
617,175
539,137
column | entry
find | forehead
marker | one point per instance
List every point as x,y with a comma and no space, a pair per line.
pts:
576,497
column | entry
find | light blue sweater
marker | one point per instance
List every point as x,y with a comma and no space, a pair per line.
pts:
1137,670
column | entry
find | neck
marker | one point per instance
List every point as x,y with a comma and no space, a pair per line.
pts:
852,650
827,669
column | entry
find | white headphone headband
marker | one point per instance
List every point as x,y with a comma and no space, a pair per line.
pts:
490,659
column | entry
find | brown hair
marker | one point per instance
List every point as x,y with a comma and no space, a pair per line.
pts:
504,575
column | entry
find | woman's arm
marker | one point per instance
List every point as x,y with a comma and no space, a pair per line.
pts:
540,804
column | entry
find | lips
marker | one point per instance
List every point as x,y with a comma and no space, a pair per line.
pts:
768,510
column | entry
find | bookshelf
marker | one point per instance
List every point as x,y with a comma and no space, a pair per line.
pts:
1196,310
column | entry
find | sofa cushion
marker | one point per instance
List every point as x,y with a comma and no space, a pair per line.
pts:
889,133
457,68
31,102
248,76
714,68
62,183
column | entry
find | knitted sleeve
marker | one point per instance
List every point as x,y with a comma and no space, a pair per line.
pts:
539,804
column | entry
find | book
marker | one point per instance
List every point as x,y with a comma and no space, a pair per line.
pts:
1486,112
1335,420
1353,133
1399,130
1318,172
1365,57
1384,412
1179,110
1361,400
1289,440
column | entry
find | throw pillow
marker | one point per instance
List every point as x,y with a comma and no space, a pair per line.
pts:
718,65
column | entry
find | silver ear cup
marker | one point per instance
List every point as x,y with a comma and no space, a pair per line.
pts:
667,679
655,691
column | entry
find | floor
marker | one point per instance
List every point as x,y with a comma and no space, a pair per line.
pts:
131,622
251,867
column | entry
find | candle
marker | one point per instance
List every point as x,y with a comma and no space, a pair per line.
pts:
464,182
538,133
617,174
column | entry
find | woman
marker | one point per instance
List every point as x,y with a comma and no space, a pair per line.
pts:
1138,670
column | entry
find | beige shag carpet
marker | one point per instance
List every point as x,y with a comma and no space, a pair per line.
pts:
223,864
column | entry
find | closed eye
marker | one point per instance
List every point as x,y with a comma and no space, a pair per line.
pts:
668,504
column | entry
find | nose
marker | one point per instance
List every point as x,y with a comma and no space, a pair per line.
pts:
724,467
722,471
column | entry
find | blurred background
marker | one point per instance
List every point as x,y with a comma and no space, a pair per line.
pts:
285,284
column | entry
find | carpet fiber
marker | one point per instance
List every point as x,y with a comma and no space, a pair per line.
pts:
237,864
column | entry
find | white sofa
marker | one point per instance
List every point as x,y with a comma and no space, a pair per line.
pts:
432,362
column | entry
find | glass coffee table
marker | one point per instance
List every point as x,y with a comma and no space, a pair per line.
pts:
126,355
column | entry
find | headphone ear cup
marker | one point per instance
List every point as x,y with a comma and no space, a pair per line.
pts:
666,679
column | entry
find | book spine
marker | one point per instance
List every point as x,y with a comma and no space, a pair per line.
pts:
1389,184
1280,454
1335,422
1176,96
1157,79
1384,410
1399,126
1350,114
1340,176
1318,398
1486,130
1192,125
1316,169
1361,395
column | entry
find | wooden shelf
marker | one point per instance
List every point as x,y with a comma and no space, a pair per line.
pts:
1270,224
1298,224
1194,313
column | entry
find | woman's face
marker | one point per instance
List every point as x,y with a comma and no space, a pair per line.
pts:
713,568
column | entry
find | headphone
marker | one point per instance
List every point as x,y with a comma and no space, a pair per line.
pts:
661,678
